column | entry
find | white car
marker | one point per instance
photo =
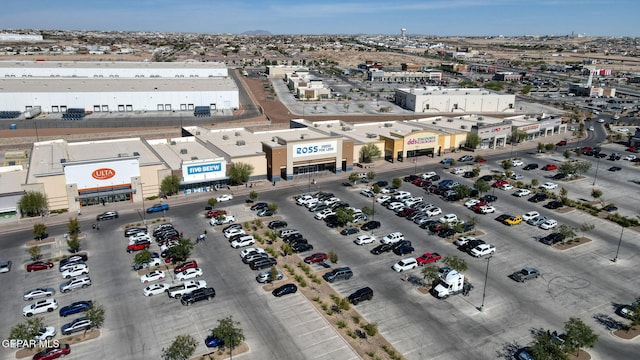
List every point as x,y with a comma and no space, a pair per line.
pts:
449,218
600,121
383,198
69,265
243,241
522,192
139,237
79,269
224,219
155,289
233,232
395,206
323,214
471,203
429,175
549,186
463,240
225,197
38,293
433,211
250,250
515,163
486,209
401,194
517,177
549,224
405,264
482,250
189,274
591,128
387,190
154,275
412,201
530,215
623,130
367,193
46,305
630,157
392,238
45,333
506,187
364,239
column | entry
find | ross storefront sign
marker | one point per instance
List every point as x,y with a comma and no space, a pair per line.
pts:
98,174
422,140
311,149
204,170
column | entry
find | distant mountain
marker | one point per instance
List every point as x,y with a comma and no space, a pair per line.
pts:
256,32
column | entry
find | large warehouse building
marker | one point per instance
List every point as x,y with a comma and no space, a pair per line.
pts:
435,99
116,86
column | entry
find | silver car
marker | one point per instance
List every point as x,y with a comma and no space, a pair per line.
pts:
265,276
38,293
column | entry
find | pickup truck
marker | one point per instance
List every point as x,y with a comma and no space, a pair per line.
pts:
525,274
186,287
198,295
427,258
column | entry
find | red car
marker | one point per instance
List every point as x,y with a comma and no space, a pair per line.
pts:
633,149
478,205
53,352
316,258
39,265
561,143
428,258
481,160
191,264
138,245
550,167
499,183
215,213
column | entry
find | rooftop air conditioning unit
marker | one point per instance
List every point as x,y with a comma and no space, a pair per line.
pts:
173,142
225,137
238,133
463,126
346,128
240,143
316,125
135,153
183,151
194,158
434,122
480,118
449,120
123,155
62,161
388,124
372,135
330,125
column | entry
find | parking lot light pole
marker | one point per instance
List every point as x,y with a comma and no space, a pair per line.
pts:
486,276
595,177
309,172
615,259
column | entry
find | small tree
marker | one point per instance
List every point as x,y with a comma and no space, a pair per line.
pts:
596,193
345,215
478,158
27,330
549,147
182,250
506,164
229,332
353,177
273,207
368,211
586,227
582,167
430,273
563,195
73,226
455,263
371,175
474,221
369,152
39,229
34,252
567,232
286,249
74,243
376,188
535,182
540,147
462,190
181,348
253,195
212,202
274,273
240,172
578,335
567,154
333,257
473,140
482,186
396,183
634,313
142,257
170,185
95,314
545,348
476,171
33,203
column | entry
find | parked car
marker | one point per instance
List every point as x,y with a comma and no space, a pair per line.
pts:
525,274
428,258
482,250
45,333
39,265
192,264
76,307
315,258
284,290
342,273
53,352
277,224
39,307
73,259
550,167
403,250
529,215
405,264
549,186
156,289
552,239
349,231
259,206
382,248
554,204
75,270
371,225
513,220
548,224
515,163
360,295
154,275
265,276
531,166
522,192
75,283
364,239
38,293
536,221
77,325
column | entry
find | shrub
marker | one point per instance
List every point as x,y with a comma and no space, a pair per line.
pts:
325,307
356,319
352,334
333,257
341,324
316,298
371,328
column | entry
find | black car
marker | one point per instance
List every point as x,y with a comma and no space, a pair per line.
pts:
488,198
284,290
486,178
298,242
134,230
538,197
107,215
453,197
554,204
530,166
370,225
469,174
346,183
299,247
382,183
615,168
503,217
292,237
552,239
277,224
434,178
349,231
339,204
601,155
444,233
403,250
265,213
259,206
428,223
464,228
400,244
366,293
382,248
471,244
559,176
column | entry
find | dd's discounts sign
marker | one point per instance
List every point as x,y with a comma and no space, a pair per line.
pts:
317,148
91,175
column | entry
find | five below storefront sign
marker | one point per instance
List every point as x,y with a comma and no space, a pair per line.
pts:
103,174
422,140
204,168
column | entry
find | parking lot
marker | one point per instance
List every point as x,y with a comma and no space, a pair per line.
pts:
581,282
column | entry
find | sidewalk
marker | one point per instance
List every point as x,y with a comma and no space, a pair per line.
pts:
379,167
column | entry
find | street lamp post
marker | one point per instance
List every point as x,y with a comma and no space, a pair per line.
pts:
615,259
309,172
595,177
144,218
486,276
415,165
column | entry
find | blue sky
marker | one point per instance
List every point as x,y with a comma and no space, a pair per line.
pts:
428,17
